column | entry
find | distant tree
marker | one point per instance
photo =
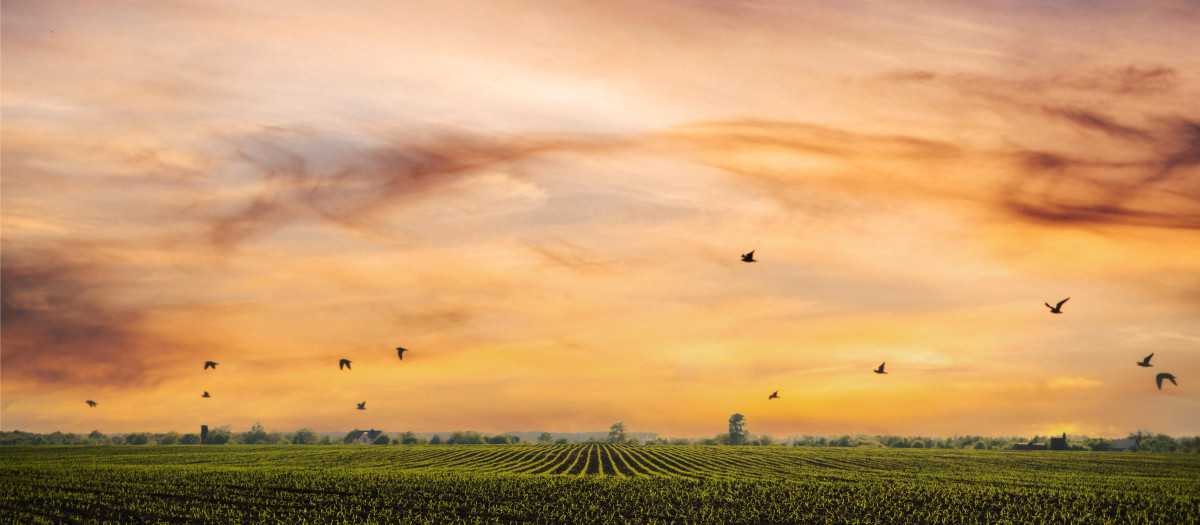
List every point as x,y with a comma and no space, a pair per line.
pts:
1158,443
680,441
256,436
545,437
737,429
140,438
616,433
765,440
979,445
305,436
435,440
469,437
170,438
562,441
325,441
709,441
382,439
350,436
408,438
189,439
98,438
917,444
219,436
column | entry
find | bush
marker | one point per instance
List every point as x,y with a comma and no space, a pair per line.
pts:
918,444
382,440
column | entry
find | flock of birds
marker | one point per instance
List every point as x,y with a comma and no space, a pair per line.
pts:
344,364
1055,309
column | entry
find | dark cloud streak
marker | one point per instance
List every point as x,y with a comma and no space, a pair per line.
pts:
61,330
345,184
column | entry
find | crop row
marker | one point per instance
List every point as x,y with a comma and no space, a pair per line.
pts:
591,484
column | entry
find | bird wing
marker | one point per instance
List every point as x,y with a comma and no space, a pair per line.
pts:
1060,303
1159,379
1147,359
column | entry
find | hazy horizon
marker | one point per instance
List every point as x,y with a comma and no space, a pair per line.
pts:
546,203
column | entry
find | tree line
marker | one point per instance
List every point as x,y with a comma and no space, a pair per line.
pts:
617,435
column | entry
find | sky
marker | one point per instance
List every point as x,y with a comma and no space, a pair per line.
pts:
546,203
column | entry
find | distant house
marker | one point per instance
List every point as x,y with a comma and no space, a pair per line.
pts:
1029,446
364,437
1059,443
1121,445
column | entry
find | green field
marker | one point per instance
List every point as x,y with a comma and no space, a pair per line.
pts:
572,484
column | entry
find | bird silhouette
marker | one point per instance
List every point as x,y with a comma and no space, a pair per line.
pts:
748,257
210,364
1146,361
1166,376
880,369
343,363
400,352
362,406
92,404
1057,309
774,395
205,394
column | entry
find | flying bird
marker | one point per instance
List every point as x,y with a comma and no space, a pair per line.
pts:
880,369
774,395
343,363
1146,361
92,404
362,406
1057,309
400,352
210,364
1166,376
205,394
748,257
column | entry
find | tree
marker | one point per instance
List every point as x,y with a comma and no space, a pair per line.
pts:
305,436
616,433
219,436
562,441
189,439
170,438
408,438
383,439
435,440
546,437
469,437
256,436
737,429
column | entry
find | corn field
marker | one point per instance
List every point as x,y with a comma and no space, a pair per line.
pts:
591,483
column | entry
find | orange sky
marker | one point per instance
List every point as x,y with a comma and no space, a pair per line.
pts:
545,202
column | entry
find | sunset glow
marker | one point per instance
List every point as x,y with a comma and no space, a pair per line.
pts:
546,202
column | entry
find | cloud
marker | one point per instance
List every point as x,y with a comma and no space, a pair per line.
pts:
1161,191
1072,382
61,330
305,176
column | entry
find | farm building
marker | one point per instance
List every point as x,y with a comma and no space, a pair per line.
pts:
1059,443
1121,445
364,437
1029,446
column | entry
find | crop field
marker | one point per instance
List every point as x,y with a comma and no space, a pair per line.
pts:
572,484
